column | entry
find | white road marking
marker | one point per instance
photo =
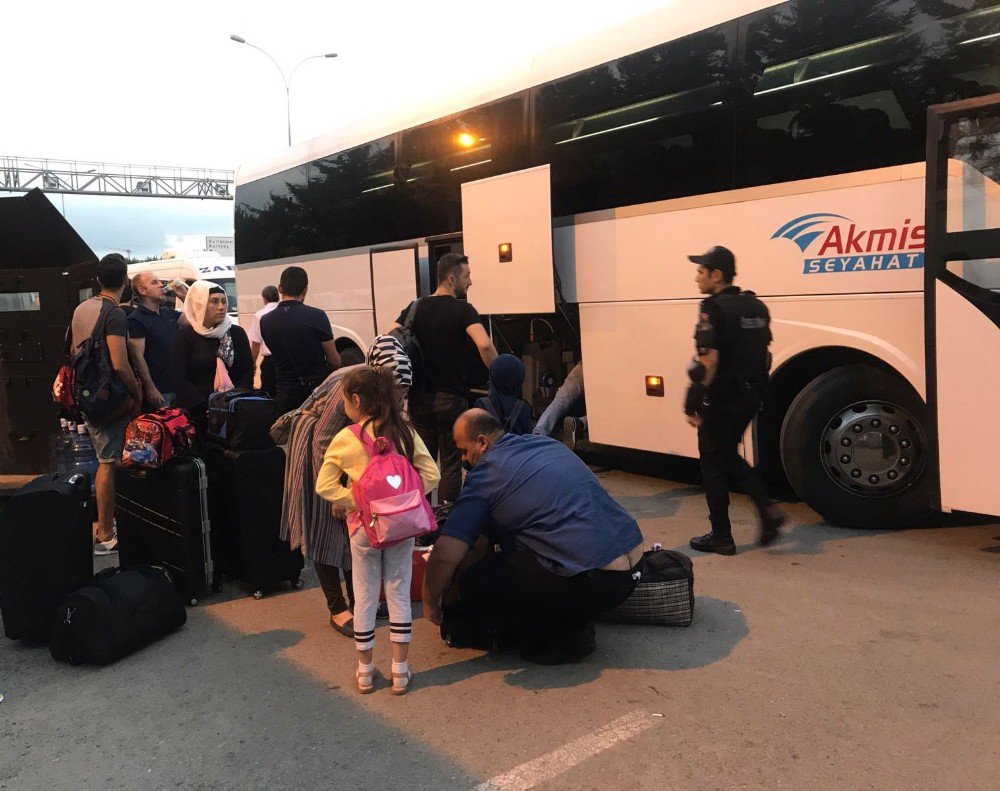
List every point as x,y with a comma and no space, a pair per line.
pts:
530,774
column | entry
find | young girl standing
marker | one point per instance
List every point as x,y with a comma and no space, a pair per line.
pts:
372,402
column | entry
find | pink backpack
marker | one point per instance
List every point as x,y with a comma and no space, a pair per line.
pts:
390,495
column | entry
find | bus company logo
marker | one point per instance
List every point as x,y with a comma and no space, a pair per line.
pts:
835,243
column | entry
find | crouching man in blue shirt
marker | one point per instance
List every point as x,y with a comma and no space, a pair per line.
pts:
563,549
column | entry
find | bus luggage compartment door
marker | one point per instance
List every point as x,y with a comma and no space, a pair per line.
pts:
962,300
507,233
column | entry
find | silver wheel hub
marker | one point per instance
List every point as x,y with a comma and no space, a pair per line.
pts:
873,449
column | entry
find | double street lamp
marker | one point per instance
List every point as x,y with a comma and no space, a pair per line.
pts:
287,80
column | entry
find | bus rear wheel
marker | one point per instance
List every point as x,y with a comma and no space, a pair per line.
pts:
854,448
351,355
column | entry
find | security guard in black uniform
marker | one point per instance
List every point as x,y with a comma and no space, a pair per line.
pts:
728,375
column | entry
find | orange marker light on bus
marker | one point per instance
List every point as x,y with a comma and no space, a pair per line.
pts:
466,140
654,386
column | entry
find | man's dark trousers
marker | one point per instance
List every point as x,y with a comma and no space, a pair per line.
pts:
543,612
433,416
721,463
291,397
268,381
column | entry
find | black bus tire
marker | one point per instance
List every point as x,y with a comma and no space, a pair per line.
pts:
351,355
811,464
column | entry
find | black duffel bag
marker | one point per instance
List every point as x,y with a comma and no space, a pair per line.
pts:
241,419
665,593
120,612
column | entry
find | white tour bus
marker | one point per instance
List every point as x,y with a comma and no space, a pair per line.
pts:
191,266
792,133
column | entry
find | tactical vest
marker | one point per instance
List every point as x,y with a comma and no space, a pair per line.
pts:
743,339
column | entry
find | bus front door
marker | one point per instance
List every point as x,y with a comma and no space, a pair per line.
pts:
962,301
395,275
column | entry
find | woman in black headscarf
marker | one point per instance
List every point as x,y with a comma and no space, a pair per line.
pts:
210,352
504,401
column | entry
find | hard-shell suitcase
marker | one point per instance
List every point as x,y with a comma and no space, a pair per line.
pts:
118,613
162,517
246,489
46,551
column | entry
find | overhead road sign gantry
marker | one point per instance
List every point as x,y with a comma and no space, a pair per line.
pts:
70,177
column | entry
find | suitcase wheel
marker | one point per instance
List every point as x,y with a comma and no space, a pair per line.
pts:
258,595
192,602
298,584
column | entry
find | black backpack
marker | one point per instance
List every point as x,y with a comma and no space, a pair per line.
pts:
411,345
98,391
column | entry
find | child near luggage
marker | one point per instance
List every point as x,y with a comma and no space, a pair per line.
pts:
372,404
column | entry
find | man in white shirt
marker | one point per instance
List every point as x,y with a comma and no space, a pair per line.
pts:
267,380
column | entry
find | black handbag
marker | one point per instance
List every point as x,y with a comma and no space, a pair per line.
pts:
665,593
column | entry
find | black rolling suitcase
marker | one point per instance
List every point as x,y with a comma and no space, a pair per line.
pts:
162,517
246,488
46,551
120,612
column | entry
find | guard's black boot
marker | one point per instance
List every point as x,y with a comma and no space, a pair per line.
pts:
712,543
771,520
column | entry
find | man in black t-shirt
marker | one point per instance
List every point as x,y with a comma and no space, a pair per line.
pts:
455,349
300,340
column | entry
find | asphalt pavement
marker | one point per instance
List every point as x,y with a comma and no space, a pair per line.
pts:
835,658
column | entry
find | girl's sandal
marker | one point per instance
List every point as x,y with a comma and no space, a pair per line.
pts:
401,682
366,681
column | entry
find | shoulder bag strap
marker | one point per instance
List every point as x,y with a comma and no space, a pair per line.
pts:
515,413
411,314
362,437
102,319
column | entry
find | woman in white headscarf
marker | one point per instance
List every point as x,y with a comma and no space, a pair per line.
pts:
211,352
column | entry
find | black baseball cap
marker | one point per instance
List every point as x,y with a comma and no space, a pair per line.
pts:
718,257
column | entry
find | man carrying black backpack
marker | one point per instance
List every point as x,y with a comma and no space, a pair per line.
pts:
455,351
99,318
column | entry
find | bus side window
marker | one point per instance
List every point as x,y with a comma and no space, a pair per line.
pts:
832,87
436,159
349,200
267,214
649,126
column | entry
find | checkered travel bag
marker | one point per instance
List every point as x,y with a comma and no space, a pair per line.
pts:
665,593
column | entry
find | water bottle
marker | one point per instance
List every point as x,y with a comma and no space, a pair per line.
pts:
57,446
80,453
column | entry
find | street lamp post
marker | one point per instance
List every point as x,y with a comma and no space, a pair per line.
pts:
287,80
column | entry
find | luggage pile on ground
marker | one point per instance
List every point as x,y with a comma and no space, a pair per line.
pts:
187,515
214,513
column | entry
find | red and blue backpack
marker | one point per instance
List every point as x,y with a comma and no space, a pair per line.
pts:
153,438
